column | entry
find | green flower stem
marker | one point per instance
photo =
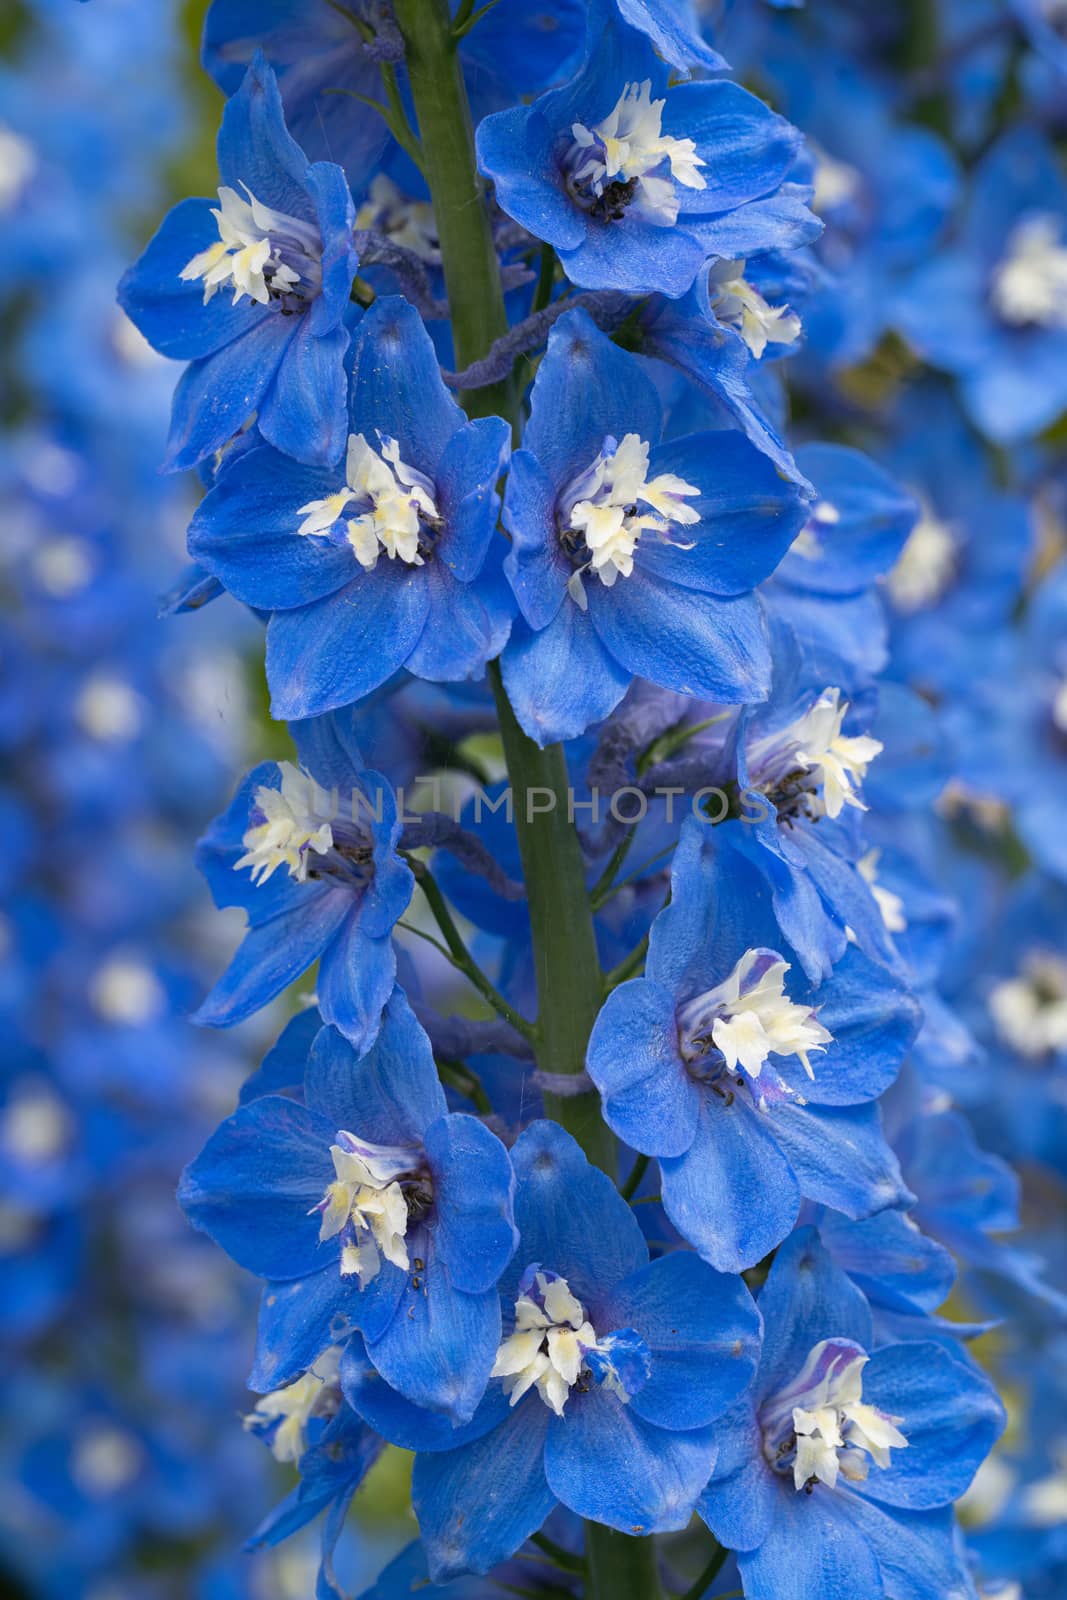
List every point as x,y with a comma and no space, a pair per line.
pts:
621,1567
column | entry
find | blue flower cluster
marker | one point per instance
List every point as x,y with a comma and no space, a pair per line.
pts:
636,427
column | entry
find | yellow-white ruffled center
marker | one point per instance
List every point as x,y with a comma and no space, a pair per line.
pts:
739,305
627,163
889,904
376,1191
284,1414
811,767
260,254
819,1427
1029,287
394,502
926,565
1029,1011
290,824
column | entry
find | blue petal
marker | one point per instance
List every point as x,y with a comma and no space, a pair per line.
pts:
478,1504
561,680
536,566
397,388
474,1184
516,148
356,977
472,462
873,1020
298,1321
703,1330
897,1266
282,1069
304,413
649,1099
334,653
806,1299
171,313
840,1156
739,1504
254,1183
402,1423
255,149
244,531
918,1554
609,1465
693,643
328,748
673,31
733,1194
749,515
273,954
336,217
813,1551
571,1217
748,148
390,1095
467,624
635,256
951,1418
217,395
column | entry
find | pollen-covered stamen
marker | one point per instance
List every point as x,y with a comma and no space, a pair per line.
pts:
1029,285
604,511
378,1190
264,254
926,565
282,1416
811,768
555,1348
1030,1010
740,306
397,511
818,1428
288,824
626,162
733,1028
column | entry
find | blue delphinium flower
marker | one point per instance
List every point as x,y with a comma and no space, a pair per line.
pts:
382,561
990,307
367,1206
750,1085
629,556
253,291
838,1471
606,1386
309,852
636,183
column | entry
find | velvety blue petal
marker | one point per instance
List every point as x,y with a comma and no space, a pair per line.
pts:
328,748
874,518
536,566
635,256
747,148
608,1464
474,1185
570,1216
673,32
733,1194
171,313
217,395
244,531
297,1322
473,460
516,148
274,953
806,1298
951,1418
648,1097
356,976
840,1156
465,627
561,680
391,1094
918,1553
402,1423
1017,391
780,221
586,390
397,388
336,217
813,1551
895,1264
749,515
739,1505
873,1020
254,1183
282,1069
337,652
478,1504
693,643
304,412
703,1330
255,149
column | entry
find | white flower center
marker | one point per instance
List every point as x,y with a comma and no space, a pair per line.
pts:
889,904
125,990
398,512
296,820
105,1459
1059,705
835,181
554,1347
368,1204
627,163
260,253
17,164
410,223
1030,1010
35,1126
924,568
819,1425
109,709
316,1394
606,509
811,766
1030,282
63,566
749,1017
737,304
